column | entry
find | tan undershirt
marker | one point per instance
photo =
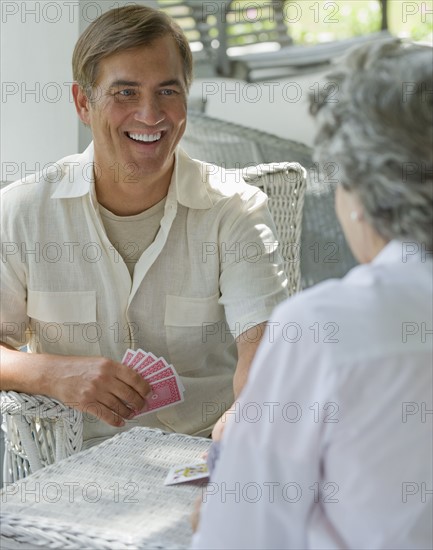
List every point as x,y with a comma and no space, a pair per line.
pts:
131,235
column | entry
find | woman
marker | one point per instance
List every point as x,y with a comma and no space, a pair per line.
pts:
330,445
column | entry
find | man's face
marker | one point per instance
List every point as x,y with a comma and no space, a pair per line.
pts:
138,112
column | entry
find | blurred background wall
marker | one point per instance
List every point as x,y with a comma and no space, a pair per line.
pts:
39,124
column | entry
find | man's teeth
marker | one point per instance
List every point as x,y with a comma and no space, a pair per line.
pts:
148,138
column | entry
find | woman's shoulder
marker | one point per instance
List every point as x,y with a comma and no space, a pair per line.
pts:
368,310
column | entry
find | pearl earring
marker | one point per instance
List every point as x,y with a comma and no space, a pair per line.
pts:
354,215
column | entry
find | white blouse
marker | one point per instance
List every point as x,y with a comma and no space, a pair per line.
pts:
331,443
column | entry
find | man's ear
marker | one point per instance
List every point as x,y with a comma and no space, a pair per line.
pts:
82,103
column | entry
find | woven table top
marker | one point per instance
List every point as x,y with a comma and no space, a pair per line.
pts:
109,496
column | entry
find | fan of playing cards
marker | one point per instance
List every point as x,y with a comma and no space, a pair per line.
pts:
166,385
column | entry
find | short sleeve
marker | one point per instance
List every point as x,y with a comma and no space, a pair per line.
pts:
13,303
252,277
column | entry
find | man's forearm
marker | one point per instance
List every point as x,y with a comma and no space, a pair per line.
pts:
26,372
247,344
240,377
113,389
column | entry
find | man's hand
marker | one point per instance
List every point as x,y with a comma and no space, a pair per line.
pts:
220,425
96,385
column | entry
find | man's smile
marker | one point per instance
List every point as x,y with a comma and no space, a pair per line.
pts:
144,138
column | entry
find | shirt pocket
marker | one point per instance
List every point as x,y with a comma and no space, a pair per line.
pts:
194,330
64,322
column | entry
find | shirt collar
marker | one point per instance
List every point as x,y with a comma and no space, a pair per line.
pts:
77,176
188,182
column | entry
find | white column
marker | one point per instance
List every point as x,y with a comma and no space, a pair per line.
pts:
39,123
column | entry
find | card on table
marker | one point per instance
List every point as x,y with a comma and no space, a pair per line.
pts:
187,472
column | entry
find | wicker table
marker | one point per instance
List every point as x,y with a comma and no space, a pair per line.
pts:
109,496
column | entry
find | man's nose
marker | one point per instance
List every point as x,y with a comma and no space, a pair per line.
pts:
149,111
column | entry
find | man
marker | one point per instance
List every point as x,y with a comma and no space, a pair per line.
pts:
135,245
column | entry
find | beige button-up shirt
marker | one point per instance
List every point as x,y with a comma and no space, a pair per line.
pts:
212,272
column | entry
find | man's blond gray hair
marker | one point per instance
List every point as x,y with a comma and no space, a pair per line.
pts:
121,29
375,121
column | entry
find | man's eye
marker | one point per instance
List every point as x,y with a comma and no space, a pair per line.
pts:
126,93
168,92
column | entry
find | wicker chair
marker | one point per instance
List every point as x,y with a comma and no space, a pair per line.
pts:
40,430
324,253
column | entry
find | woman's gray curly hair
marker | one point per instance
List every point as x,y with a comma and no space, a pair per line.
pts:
375,120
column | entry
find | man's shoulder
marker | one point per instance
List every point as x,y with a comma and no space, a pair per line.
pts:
39,186
221,182
226,182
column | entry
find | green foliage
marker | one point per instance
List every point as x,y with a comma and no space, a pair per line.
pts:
313,21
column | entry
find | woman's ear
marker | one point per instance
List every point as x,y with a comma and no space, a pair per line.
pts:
82,103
